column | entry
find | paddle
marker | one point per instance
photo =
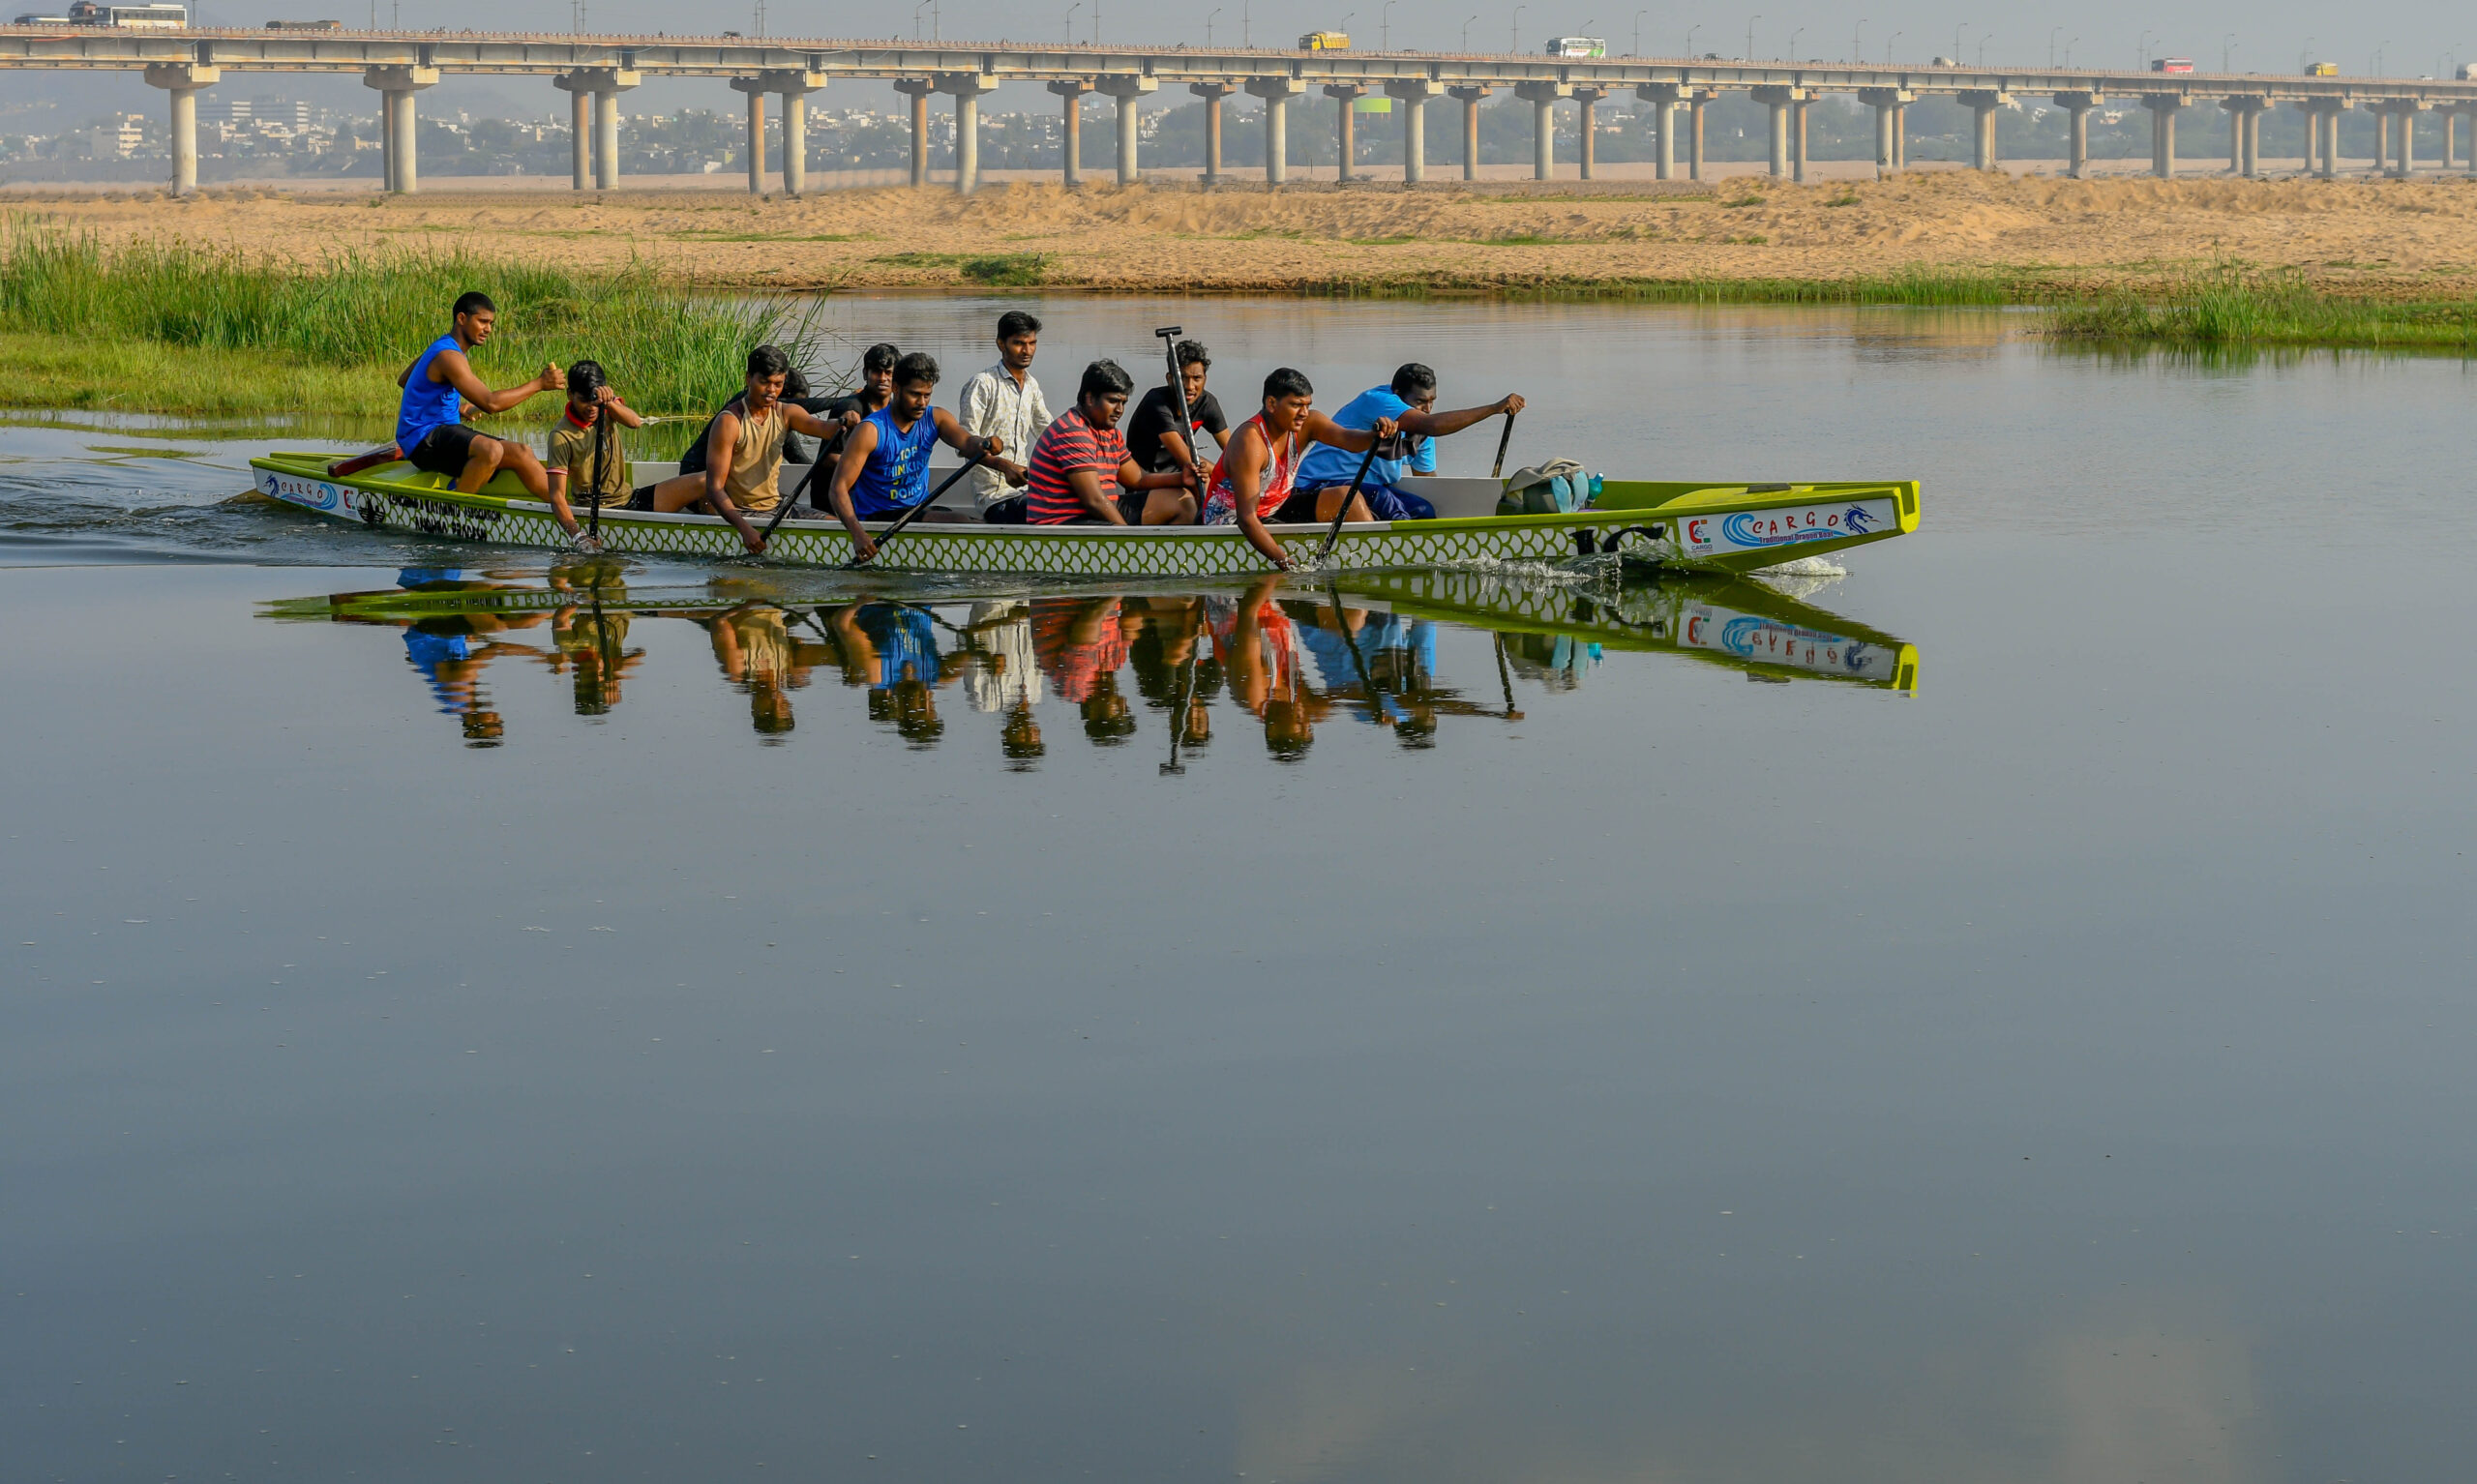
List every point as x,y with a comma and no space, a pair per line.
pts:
1178,390
913,514
1505,680
1358,662
600,463
1178,725
1503,439
1333,532
360,461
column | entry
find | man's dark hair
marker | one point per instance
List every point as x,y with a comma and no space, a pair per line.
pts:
796,383
768,361
1016,322
584,379
473,301
919,365
1193,353
881,356
1413,381
1287,382
1105,378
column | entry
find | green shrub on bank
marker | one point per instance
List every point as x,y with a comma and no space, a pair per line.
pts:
669,350
2231,309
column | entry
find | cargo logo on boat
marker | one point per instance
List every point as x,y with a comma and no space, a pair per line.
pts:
318,494
1788,527
1769,641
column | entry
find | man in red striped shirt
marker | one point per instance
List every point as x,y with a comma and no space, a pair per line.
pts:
1080,457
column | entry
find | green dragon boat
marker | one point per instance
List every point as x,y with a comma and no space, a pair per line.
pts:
1690,525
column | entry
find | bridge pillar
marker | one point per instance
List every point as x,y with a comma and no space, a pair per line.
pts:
918,89
580,129
1982,105
182,80
966,89
1778,99
1900,137
2163,108
1212,92
1695,107
1542,98
1276,92
1413,95
2326,116
1470,97
795,88
1887,103
1126,90
2381,138
1071,130
1346,97
2078,132
756,91
1663,96
2406,111
1798,141
2450,137
396,87
2245,133
1587,126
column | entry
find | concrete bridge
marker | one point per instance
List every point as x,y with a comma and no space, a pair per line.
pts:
595,70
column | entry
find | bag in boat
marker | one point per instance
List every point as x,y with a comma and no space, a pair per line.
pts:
1552,489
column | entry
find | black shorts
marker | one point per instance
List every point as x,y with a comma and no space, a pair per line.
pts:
443,450
1298,510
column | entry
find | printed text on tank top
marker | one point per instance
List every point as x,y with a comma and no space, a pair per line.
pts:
896,476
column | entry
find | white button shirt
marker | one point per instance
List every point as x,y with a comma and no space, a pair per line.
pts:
994,406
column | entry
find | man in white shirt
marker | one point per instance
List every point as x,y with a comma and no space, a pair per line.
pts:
1005,403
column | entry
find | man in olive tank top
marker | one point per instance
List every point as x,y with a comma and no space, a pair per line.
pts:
743,453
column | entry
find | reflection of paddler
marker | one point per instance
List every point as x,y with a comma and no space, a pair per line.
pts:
892,649
756,648
1258,647
592,643
444,651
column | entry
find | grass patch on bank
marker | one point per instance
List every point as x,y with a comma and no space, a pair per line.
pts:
2228,308
994,270
163,325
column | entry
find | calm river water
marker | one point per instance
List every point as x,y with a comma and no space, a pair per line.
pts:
662,1038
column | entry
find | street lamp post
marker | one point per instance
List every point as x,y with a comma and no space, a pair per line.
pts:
1982,50
1793,43
1689,40
1207,26
1750,36
2053,32
1856,42
1070,20
1517,26
1887,47
2227,49
1466,34
1638,31
1384,26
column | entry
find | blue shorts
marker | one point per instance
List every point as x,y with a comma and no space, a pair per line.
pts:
1387,502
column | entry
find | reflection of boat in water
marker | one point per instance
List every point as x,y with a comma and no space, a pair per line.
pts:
1714,526
1284,659
1738,622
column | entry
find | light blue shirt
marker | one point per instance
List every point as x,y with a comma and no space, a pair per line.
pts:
1327,466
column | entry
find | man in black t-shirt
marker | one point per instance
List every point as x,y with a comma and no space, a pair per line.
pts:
1155,441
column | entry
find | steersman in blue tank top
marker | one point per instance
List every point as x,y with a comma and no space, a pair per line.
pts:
884,469
431,431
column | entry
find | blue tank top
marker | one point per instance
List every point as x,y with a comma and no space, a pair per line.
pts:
896,477
427,403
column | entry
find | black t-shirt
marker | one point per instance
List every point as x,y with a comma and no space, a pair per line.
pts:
1158,414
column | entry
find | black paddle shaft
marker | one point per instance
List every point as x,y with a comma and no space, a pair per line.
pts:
1333,532
600,462
913,514
1179,390
1503,438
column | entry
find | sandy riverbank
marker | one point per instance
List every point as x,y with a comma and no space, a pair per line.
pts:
2391,239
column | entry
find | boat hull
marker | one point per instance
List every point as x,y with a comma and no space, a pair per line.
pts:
397,499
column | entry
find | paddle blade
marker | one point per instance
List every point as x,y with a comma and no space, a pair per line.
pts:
360,461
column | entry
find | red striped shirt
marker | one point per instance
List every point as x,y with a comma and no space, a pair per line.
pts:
1068,444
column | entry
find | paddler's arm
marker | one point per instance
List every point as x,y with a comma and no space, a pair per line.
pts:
1439,425
1324,430
970,444
803,420
1097,501
718,468
621,412
452,367
856,449
1247,482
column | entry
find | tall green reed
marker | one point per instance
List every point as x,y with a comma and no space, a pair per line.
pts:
667,349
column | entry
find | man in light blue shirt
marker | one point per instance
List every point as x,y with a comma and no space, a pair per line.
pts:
1411,401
